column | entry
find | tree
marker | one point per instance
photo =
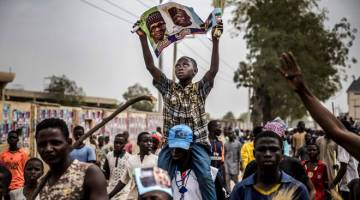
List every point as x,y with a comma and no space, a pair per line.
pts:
65,90
243,117
135,91
229,116
275,26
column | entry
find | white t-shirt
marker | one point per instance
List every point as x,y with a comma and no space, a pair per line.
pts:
135,162
351,170
192,185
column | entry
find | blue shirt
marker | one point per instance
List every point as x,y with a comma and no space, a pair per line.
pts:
245,190
84,154
286,146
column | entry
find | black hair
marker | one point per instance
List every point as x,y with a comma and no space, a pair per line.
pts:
257,130
120,135
7,175
191,60
158,129
268,134
212,123
141,135
53,123
34,159
79,128
13,131
126,134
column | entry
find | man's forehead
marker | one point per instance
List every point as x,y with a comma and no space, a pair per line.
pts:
155,24
146,137
50,133
119,138
268,141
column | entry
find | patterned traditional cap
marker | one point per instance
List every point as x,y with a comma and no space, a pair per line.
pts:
277,126
153,18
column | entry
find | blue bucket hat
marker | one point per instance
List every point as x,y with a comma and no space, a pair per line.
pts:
180,136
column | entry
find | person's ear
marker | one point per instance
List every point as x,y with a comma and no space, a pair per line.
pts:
195,71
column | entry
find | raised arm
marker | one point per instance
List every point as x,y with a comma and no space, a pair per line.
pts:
328,122
214,66
148,59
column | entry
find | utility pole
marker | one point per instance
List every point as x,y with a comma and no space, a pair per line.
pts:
174,61
161,69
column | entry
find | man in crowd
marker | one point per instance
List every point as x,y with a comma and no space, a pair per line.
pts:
232,159
328,149
268,178
316,171
347,172
217,147
143,159
128,146
291,166
302,153
82,152
247,150
14,158
115,166
67,178
298,139
185,184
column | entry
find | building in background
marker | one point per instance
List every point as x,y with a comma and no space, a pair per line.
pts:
353,93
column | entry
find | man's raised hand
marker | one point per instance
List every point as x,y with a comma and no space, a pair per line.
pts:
291,71
217,31
138,30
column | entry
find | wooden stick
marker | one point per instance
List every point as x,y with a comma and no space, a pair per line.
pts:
92,131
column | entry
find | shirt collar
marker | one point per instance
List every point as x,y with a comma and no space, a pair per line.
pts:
179,86
251,179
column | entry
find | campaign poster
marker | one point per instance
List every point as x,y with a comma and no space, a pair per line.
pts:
170,22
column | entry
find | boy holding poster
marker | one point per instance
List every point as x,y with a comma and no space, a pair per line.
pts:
184,103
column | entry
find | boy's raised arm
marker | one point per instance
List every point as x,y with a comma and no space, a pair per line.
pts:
148,59
214,66
330,124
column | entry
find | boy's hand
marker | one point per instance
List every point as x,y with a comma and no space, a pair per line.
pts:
139,31
217,31
291,71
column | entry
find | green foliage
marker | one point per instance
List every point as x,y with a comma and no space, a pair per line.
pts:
65,90
135,91
244,117
229,116
275,26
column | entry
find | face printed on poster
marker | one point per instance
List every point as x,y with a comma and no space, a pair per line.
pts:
171,22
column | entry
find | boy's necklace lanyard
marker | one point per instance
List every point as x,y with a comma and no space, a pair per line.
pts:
184,179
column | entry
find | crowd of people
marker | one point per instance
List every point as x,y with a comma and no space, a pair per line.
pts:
191,158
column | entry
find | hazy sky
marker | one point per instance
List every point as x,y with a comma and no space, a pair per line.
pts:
40,38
